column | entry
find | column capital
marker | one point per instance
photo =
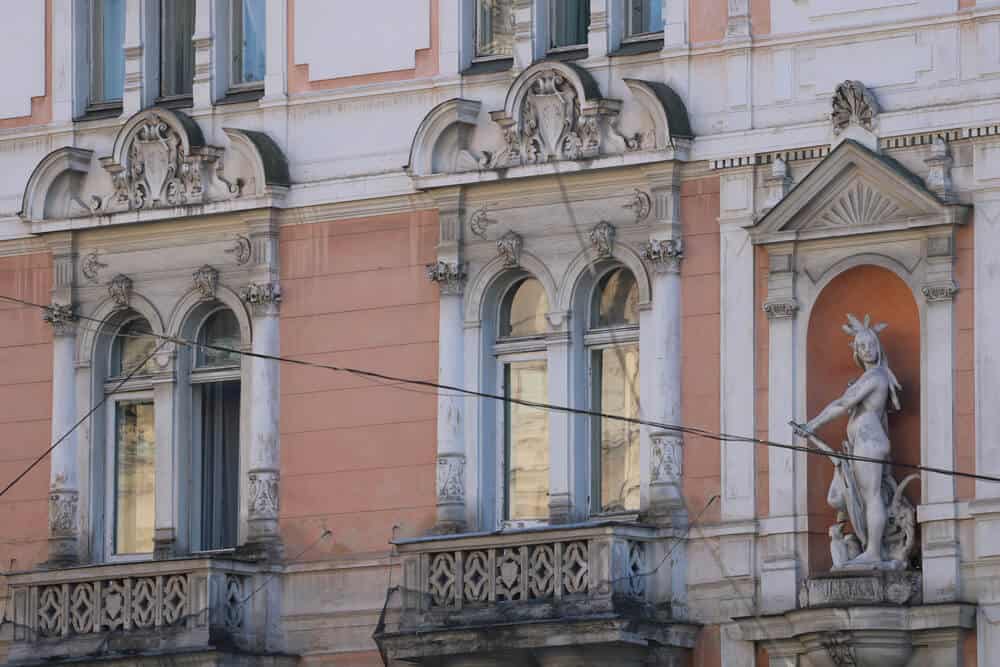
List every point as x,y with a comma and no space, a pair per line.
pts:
62,318
783,309
664,255
937,292
263,298
450,276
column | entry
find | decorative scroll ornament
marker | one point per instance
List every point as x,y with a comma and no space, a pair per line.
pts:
206,281
120,290
853,103
665,458
159,169
263,493
61,317
859,485
664,255
509,248
641,205
451,478
480,221
602,238
450,276
62,513
91,267
241,250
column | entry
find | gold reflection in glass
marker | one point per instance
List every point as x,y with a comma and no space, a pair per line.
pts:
133,345
617,300
524,309
135,450
494,28
527,441
616,371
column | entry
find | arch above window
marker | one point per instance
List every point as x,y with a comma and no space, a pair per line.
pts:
616,300
523,310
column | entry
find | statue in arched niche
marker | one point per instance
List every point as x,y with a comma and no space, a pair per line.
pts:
864,491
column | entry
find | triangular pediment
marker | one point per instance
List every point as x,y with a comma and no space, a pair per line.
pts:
854,191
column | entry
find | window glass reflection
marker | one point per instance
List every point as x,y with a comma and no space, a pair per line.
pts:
494,28
133,344
527,441
135,450
616,375
524,309
617,300
223,330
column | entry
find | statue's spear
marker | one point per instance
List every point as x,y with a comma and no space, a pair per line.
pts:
844,468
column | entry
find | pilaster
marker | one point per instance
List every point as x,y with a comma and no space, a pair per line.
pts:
276,51
141,67
675,25
204,83
530,24
599,34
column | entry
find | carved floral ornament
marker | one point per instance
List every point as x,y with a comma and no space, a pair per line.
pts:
450,276
206,281
664,255
602,238
120,290
853,103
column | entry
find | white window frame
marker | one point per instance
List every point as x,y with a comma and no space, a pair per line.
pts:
134,390
628,35
476,57
95,61
235,51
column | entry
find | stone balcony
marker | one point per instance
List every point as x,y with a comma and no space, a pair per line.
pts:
588,593
208,607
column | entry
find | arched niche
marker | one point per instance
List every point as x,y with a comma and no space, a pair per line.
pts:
863,289
441,143
54,189
666,118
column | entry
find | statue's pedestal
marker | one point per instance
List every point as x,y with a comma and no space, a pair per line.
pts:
867,619
854,588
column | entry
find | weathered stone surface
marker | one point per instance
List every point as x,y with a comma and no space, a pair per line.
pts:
901,588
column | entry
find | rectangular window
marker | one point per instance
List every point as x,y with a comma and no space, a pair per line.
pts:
643,17
494,28
135,484
616,392
526,439
568,23
176,47
248,32
220,463
107,54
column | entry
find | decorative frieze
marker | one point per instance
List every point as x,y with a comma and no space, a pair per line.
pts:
62,318
206,282
665,255
853,104
451,478
939,292
450,276
241,250
602,238
120,291
874,588
263,494
509,249
781,309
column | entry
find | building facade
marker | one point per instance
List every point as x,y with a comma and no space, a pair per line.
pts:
500,332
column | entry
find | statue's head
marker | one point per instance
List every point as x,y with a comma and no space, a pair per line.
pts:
866,344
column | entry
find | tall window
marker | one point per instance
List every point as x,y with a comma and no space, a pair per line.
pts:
643,17
612,341
494,28
107,55
176,47
247,36
568,23
216,390
132,441
520,351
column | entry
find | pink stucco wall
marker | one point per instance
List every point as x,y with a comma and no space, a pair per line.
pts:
357,455
708,20
25,410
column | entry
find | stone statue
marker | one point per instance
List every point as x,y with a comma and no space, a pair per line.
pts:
865,492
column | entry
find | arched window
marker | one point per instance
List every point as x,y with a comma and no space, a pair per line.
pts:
612,342
215,384
131,451
521,356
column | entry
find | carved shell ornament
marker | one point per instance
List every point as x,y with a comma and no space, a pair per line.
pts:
853,103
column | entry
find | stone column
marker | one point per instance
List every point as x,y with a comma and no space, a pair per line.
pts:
450,276
64,531
779,578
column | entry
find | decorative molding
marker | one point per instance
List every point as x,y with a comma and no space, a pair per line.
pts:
263,298
451,479
91,267
120,290
939,170
263,494
62,318
859,206
602,238
781,309
206,281
939,292
161,161
665,255
509,248
450,276
838,647
480,221
62,513
778,183
853,103
641,205
665,459
241,250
